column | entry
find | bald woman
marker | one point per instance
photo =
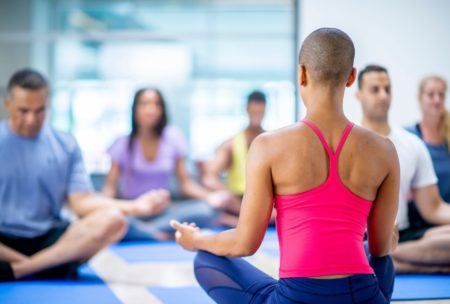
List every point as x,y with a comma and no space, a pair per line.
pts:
329,181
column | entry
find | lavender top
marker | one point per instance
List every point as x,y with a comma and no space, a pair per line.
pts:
138,174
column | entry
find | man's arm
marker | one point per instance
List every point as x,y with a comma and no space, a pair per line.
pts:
150,203
84,201
10,255
220,163
431,206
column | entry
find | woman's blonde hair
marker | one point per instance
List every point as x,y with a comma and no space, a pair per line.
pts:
444,129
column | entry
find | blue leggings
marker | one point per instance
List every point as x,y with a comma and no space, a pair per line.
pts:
234,280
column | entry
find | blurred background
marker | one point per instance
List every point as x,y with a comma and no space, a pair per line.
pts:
206,56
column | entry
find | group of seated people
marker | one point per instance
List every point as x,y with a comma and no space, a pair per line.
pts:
154,152
42,170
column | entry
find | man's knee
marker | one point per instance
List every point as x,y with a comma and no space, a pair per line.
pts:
113,226
427,250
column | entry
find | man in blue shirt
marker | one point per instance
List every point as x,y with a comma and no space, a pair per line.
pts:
41,169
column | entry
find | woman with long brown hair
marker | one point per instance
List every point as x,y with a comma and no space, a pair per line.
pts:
147,159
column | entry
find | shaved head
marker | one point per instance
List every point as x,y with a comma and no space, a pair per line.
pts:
328,54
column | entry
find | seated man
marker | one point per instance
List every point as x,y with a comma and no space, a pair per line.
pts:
41,169
424,250
231,155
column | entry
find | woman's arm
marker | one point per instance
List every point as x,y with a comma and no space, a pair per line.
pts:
221,199
187,186
431,206
381,228
254,217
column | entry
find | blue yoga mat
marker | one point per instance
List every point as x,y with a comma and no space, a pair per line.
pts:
421,287
91,289
407,287
88,289
138,252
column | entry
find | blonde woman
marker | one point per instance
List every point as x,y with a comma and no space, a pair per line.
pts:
434,129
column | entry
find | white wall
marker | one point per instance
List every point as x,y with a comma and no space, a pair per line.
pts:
411,38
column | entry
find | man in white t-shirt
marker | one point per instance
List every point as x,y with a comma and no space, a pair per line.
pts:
424,249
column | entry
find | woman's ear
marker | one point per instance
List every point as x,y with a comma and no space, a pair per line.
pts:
302,77
351,79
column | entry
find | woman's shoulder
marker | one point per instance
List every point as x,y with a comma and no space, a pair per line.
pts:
366,137
368,144
120,143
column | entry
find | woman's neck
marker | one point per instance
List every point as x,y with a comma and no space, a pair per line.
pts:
324,102
147,134
326,110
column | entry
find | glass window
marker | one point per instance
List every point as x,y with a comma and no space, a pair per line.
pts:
205,57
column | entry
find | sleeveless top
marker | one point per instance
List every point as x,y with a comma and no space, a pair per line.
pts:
321,231
236,172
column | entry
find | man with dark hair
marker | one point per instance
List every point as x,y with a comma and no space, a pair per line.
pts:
368,69
231,155
256,96
42,169
424,249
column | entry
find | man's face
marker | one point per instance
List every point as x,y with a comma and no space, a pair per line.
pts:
255,111
432,98
26,110
375,95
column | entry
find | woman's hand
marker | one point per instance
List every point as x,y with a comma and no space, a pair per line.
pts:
151,203
186,234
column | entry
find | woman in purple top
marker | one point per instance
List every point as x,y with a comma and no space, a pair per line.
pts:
147,159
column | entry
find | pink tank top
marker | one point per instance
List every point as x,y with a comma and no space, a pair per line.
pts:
321,231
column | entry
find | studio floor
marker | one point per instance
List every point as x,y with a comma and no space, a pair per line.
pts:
150,272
